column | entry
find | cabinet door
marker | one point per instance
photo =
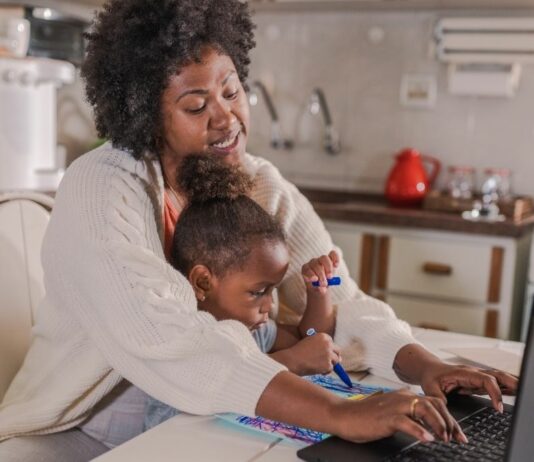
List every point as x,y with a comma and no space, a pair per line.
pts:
358,252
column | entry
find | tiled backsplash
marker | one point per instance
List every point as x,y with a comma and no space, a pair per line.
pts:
298,51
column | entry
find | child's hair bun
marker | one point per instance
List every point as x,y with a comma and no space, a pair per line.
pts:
206,177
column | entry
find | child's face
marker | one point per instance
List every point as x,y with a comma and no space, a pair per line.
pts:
246,294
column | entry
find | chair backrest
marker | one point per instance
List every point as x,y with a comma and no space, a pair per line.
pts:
22,226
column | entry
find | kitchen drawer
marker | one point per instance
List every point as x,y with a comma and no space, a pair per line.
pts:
464,271
462,318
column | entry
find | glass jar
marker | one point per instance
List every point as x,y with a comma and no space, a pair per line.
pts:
461,181
496,185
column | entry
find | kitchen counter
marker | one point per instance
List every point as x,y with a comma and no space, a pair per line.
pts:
374,210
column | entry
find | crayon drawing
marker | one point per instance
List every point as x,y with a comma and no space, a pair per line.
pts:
293,432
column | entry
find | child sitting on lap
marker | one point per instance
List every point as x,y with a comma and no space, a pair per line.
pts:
234,255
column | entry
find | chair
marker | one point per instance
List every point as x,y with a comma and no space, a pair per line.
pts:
23,221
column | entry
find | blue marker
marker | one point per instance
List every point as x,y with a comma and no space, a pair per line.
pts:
335,281
338,368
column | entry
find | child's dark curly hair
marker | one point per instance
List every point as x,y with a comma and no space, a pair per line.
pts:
220,224
136,45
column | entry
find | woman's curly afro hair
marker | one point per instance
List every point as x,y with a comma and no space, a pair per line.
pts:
135,46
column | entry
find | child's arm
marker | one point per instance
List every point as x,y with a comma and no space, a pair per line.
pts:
311,355
319,313
286,337
292,347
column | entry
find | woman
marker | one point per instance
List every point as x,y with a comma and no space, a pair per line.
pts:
165,78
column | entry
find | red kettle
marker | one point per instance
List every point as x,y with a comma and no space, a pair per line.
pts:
407,183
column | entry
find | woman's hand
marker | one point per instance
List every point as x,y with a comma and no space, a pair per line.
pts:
414,364
441,379
320,269
382,415
312,355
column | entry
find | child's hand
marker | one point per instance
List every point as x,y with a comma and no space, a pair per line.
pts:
313,355
320,269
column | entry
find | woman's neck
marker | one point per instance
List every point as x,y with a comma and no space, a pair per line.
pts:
169,167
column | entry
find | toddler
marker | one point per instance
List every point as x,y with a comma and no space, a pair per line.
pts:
234,255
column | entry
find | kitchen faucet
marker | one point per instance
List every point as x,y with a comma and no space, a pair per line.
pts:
277,140
318,104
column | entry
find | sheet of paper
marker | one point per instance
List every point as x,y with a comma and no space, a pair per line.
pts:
490,357
292,432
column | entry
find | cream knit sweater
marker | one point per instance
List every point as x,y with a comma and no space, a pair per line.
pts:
114,308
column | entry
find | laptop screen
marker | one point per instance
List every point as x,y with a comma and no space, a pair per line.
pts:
521,447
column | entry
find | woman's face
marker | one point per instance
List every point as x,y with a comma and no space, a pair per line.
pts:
205,110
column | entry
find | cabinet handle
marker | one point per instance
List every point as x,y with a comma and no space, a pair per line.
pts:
439,269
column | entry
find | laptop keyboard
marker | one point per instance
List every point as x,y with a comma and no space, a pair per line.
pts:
487,432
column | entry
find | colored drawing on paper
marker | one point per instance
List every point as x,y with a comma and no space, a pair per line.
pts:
281,429
293,432
339,388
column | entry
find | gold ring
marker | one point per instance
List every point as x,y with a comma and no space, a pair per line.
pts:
412,408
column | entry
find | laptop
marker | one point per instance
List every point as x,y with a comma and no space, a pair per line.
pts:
492,436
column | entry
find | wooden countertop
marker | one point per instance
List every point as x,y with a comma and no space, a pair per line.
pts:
374,210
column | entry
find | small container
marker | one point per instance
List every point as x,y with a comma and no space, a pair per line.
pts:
14,37
496,185
461,181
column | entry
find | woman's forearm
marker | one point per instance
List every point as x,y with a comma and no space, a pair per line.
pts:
412,361
293,400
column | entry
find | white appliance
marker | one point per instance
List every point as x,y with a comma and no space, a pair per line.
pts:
29,156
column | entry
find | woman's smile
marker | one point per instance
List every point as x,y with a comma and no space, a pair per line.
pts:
227,144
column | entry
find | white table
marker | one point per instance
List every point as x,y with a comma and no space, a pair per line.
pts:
198,438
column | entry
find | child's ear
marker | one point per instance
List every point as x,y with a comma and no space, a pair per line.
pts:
200,277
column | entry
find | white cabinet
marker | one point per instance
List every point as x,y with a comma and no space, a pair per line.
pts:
357,248
460,282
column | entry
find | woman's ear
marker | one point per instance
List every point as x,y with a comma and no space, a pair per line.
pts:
200,277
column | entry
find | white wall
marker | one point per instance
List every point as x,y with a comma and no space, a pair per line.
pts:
297,51
76,130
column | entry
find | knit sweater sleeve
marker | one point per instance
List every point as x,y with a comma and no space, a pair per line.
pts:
104,265
359,317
